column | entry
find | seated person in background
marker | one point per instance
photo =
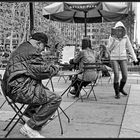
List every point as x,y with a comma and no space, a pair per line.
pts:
86,55
103,56
22,82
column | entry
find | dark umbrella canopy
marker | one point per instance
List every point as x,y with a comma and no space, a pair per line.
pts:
72,12
114,11
85,12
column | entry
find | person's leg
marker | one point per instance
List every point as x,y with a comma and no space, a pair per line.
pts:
34,93
123,67
31,110
42,113
77,87
45,111
80,85
74,85
115,67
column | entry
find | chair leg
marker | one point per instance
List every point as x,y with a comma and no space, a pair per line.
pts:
14,116
13,126
82,84
60,118
19,109
59,78
60,108
65,114
92,89
2,104
80,94
63,78
94,95
60,121
84,90
20,117
17,114
47,82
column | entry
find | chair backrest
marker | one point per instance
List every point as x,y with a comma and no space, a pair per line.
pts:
95,66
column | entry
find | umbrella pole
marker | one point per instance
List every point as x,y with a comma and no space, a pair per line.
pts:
101,15
85,23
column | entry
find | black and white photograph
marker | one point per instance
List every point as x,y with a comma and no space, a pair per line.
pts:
69,69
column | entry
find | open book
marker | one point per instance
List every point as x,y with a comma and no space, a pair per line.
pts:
68,53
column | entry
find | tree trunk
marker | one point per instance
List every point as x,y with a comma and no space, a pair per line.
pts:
13,18
25,23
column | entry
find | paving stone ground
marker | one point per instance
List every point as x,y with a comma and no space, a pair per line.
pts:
105,118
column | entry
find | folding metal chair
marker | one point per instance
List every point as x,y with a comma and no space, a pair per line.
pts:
72,74
90,66
64,69
64,77
50,80
20,113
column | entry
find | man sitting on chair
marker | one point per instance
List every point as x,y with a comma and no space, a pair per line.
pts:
86,55
22,82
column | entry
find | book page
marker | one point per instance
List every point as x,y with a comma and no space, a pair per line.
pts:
68,53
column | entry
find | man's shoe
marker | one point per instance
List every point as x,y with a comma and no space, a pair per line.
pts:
27,131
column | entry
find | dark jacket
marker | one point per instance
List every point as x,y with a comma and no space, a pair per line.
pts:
23,75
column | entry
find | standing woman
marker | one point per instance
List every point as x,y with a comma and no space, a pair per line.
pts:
117,45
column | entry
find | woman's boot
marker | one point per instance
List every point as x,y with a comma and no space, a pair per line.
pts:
79,87
75,90
74,85
122,84
116,88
